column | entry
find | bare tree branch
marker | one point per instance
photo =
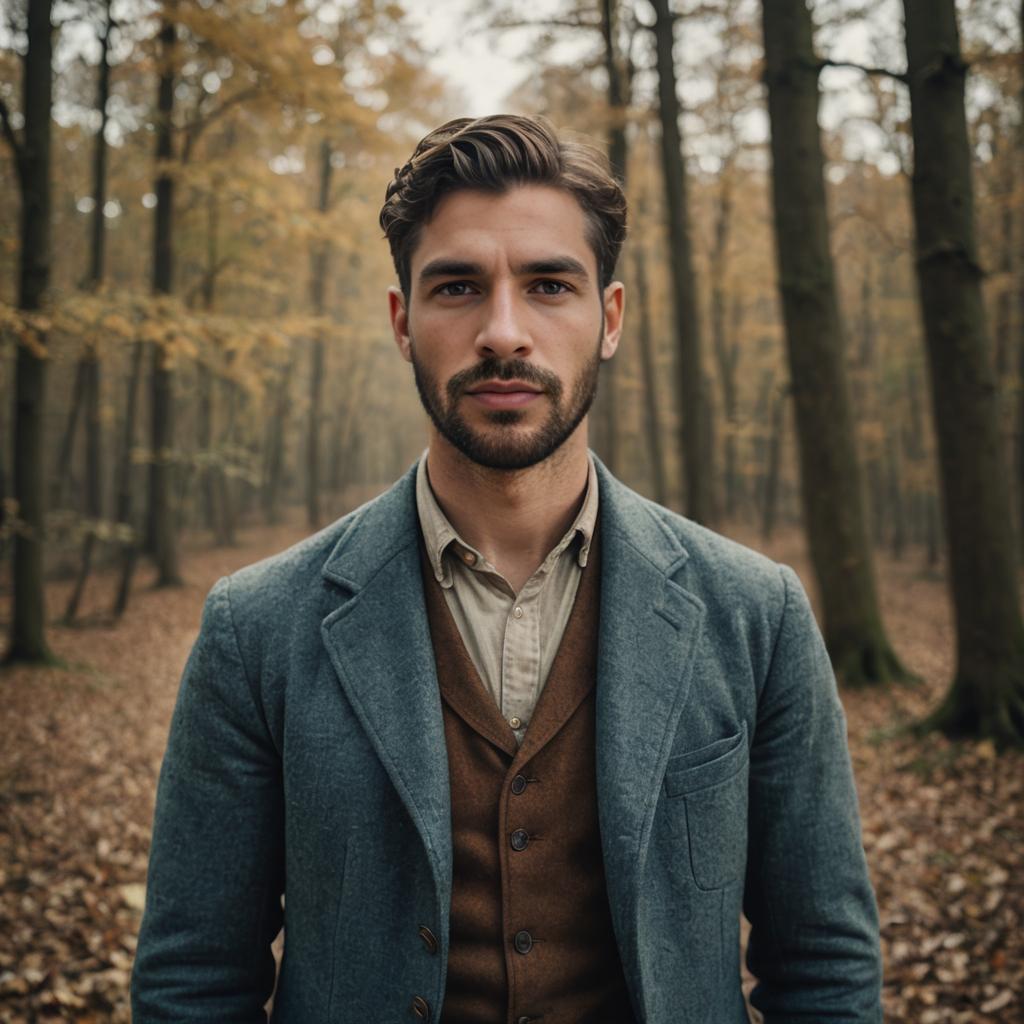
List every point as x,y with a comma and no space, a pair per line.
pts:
899,76
195,128
573,23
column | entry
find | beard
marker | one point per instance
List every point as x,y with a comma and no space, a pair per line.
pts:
504,446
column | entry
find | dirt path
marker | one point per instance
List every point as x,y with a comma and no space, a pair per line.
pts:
80,749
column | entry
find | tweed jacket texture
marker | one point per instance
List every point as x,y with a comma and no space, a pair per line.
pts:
307,756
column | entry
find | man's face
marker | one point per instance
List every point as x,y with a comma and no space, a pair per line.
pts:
506,324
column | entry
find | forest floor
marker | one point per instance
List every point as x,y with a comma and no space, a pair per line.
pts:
81,744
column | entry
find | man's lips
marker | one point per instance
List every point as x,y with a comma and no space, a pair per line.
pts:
503,387
504,394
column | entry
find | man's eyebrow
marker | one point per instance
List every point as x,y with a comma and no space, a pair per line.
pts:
553,265
444,267
450,268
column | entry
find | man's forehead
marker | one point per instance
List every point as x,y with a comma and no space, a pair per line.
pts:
524,226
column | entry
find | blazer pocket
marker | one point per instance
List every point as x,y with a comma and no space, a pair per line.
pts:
696,769
711,784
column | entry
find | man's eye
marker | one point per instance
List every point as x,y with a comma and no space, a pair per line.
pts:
552,287
454,288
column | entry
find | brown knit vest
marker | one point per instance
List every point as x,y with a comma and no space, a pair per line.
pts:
531,934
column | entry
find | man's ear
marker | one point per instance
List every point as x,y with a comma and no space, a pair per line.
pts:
614,307
400,322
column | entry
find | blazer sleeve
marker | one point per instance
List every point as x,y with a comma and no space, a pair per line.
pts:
213,898
814,941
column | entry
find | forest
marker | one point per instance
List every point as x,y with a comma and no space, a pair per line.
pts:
822,359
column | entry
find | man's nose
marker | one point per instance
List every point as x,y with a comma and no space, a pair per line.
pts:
503,333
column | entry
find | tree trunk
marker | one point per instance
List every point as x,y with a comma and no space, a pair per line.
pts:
604,414
318,282
830,476
62,482
90,363
726,350
204,443
652,421
987,695
98,232
276,428
690,374
898,534
93,479
130,541
225,490
769,510
162,520
1019,163
28,619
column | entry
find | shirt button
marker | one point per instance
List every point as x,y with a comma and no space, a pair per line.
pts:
518,784
518,611
523,942
469,558
520,839
515,722
429,939
421,1008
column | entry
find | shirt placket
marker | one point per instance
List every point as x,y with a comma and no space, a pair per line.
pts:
520,657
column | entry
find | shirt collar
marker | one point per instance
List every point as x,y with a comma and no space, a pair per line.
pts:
439,534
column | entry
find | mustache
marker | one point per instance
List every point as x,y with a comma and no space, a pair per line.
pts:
503,369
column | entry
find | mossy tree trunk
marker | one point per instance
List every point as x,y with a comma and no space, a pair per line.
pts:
32,159
986,698
831,487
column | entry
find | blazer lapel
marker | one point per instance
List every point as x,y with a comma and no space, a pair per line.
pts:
649,631
379,643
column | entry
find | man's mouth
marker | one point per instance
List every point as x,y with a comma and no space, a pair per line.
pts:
504,394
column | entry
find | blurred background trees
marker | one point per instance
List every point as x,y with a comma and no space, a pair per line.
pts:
213,331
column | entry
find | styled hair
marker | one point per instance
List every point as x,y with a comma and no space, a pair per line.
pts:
494,154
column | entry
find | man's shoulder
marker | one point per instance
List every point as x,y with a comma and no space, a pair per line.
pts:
711,566
288,579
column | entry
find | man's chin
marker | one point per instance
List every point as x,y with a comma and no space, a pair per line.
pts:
508,454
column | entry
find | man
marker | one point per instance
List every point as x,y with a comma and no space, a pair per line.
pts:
517,744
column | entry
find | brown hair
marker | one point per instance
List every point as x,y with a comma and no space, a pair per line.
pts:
493,154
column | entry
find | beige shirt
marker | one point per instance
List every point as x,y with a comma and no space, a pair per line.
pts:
512,638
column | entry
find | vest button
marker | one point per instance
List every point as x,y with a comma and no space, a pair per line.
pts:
429,939
518,784
421,1008
523,1020
523,942
520,838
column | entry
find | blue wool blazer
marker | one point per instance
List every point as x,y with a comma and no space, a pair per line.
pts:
307,756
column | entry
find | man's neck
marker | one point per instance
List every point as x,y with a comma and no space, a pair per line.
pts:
514,518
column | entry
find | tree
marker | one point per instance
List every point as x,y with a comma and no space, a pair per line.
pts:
987,694
830,476
89,362
32,159
162,532
696,451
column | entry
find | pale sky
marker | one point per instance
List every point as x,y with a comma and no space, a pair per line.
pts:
483,65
